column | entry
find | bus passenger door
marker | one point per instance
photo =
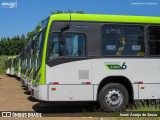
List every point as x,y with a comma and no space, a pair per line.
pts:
68,70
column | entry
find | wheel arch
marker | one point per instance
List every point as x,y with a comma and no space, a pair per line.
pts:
118,79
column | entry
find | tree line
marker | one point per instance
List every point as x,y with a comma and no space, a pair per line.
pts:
14,45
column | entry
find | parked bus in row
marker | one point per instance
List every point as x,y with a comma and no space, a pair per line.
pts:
18,68
12,63
24,63
112,59
33,60
28,61
8,65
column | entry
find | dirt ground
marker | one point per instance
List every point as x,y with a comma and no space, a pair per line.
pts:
13,95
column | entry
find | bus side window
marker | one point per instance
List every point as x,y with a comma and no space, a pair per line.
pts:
154,40
121,40
111,37
134,40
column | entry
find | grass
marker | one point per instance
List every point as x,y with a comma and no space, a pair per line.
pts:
2,64
145,105
140,107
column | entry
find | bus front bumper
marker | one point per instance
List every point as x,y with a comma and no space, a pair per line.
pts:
12,73
29,87
40,92
25,82
8,71
18,75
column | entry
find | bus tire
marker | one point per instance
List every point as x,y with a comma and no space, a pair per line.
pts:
113,97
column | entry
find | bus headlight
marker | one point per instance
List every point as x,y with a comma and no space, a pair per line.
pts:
37,81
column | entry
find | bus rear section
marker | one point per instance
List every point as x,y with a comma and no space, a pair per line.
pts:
25,62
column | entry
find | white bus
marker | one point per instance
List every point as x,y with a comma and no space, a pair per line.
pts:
112,59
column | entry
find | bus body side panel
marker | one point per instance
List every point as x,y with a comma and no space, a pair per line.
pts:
136,70
71,93
73,78
95,92
135,91
149,91
41,92
12,72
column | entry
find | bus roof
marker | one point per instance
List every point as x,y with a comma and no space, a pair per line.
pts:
106,18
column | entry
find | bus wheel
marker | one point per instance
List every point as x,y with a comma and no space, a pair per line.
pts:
113,97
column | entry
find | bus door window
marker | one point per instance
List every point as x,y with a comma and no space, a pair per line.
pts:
64,50
54,46
74,45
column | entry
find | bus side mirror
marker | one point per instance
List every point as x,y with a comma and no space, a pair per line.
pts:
62,38
64,28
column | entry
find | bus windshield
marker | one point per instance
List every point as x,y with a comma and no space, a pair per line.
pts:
16,63
28,61
9,62
39,46
23,64
29,55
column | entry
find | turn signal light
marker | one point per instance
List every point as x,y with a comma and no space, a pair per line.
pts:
142,87
53,89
